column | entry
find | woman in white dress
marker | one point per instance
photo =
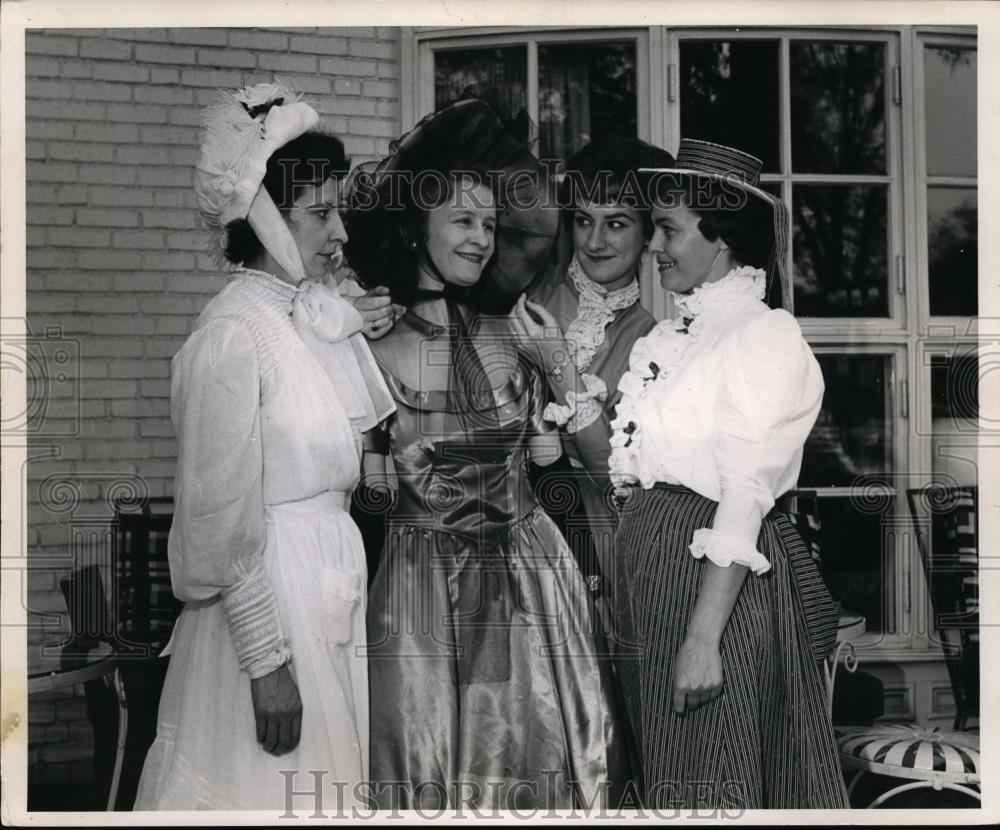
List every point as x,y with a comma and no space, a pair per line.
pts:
269,397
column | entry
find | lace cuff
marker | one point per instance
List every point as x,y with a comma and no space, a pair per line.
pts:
581,408
252,617
726,548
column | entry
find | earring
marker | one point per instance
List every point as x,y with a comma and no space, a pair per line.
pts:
413,246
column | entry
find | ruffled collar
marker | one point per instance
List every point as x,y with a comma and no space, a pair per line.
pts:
596,309
741,289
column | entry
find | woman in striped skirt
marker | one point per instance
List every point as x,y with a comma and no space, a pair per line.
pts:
720,666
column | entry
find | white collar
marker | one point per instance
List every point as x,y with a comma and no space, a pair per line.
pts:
741,289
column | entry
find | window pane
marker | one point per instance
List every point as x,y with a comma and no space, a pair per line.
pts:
729,94
840,250
955,416
851,547
852,433
953,249
501,72
838,107
950,101
585,91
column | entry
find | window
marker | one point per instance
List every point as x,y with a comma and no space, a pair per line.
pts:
574,86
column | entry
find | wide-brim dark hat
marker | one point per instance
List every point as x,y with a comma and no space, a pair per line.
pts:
735,169
470,136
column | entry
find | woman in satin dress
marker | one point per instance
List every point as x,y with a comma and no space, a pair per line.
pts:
485,686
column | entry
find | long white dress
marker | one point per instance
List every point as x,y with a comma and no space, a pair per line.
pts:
268,561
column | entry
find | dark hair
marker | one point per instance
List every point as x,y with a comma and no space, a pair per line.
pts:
381,237
305,161
743,221
606,171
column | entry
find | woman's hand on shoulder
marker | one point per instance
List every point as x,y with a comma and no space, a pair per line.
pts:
537,335
697,675
277,710
377,311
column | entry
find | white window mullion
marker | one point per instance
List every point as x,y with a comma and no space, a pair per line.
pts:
532,79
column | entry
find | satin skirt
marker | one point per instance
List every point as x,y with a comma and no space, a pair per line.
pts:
767,741
487,689
206,755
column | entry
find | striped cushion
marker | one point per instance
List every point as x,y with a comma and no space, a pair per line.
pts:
906,751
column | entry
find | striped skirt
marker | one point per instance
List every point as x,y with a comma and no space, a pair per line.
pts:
766,742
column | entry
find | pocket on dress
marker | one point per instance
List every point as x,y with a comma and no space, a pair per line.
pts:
342,595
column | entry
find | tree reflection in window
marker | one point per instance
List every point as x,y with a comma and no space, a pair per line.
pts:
840,245
953,250
838,107
502,71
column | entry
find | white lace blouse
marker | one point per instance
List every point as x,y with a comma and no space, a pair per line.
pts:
721,400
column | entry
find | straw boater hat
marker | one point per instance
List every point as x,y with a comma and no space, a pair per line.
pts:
731,168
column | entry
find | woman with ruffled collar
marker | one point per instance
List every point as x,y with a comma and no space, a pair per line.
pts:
579,322
723,612
270,395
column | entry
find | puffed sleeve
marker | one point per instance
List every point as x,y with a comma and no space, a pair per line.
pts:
772,389
217,538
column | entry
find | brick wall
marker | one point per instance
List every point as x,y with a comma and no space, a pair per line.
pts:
117,269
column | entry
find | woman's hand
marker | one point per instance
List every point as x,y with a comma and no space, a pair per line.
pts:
538,336
377,311
277,710
697,675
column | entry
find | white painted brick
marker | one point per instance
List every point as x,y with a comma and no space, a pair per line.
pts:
214,78
353,31
374,49
183,157
112,347
164,177
79,238
388,69
374,126
165,449
114,133
39,67
120,196
78,282
163,75
138,409
77,69
48,129
108,174
347,86
109,260
97,91
356,146
173,198
354,106
150,428
137,113
144,240
380,89
312,84
199,37
115,304
49,304
70,110
193,241
173,219
163,95
288,63
35,88
184,116
37,43
165,54
142,35
165,347
139,282
226,58
319,44
49,215
66,151
388,109
118,324
168,261
105,217
117,449
257,41
114,50
34,151
43,259
121,73
160,388
169,135
348,66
